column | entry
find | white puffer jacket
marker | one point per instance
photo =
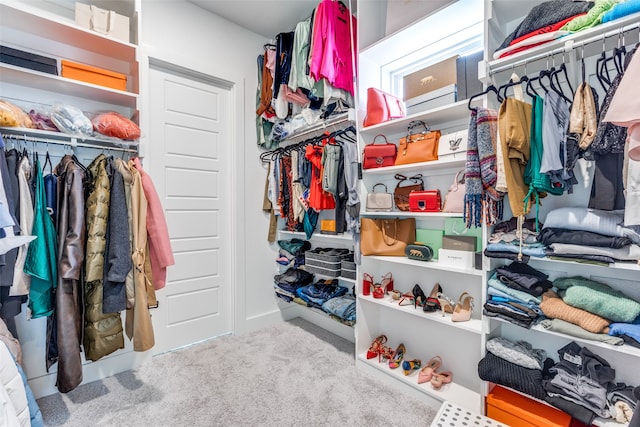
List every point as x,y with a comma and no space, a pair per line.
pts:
13,398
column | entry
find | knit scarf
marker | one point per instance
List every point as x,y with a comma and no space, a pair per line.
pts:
481,197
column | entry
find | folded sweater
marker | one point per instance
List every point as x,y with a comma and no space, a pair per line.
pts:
597,298
552,306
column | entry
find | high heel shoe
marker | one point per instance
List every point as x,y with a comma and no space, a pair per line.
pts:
367,283
387,281
376,346
378,291
427,372
407,299
440,378
463,309
411,365
432,303
446,303
397,357
419,298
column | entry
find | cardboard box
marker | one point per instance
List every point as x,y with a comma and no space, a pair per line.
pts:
467,75
514,409
28,60
459,243
103,21
461,260
429,79
434,99
431,238
95,75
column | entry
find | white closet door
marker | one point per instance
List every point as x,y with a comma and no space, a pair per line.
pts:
189,153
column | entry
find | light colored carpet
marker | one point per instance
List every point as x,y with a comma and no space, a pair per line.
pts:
292,374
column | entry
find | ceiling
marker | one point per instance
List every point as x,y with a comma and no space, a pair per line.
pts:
264,17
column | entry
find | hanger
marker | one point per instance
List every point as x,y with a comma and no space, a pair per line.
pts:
511,83
490,88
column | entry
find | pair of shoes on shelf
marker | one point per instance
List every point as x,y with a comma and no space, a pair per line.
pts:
430,374
433,304
379,290
464,307
411,365
378,349
419,298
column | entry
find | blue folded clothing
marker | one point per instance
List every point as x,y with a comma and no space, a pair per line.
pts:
344,307
321,291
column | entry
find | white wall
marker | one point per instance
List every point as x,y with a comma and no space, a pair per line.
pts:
184,34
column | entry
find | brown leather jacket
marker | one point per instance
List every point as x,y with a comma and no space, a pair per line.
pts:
68,316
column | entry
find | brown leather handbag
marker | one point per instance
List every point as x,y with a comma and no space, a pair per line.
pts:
404,187
418,147
386,237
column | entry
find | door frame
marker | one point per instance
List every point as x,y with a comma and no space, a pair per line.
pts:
236,166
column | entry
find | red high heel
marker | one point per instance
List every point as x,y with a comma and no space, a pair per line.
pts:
367,283
387,282
376,346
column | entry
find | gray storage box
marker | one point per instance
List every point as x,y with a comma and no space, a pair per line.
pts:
348,268
437,98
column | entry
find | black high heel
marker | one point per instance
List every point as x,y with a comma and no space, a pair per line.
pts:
433,304
419,298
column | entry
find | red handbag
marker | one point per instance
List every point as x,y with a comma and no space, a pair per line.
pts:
382,107
378,155
425,201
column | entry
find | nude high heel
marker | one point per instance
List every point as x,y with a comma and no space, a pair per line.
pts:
463,309
440,378
429,369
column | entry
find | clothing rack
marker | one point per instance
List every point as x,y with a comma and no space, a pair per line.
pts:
320,127
48,137
567,46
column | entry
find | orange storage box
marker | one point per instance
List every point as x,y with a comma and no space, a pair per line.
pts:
515,409
95,75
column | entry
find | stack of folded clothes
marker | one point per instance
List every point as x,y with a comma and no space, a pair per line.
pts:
342,309
316,294
592,310
505,242
544,23
516,365
589,235
292,251
514,293
287,283
581,378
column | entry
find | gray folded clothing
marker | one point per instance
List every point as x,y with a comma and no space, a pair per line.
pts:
563,327
521,353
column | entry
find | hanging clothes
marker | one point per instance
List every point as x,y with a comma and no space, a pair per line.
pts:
118,248
318,198
65,332
102,332
41,263
161,255
127,178
138,324
514,125
21,280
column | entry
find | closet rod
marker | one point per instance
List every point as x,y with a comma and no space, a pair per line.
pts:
568,46
70,141
321,127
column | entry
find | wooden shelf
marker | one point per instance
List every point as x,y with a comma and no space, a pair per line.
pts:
426,264
433,118
451,392
455,161
40,23
49,82
474,325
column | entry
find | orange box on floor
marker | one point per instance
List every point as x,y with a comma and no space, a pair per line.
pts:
515,409
95,75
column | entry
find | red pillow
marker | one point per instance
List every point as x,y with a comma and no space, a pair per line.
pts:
114,124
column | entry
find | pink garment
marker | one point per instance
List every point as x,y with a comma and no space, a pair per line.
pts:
331,56
270,57
624,109
160,253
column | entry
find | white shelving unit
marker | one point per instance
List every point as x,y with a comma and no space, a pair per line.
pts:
48,28
502,18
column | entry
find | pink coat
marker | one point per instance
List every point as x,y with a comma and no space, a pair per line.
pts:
160,253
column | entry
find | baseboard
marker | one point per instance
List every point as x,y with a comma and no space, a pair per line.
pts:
106,367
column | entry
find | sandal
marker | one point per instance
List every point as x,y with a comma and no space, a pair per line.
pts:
376,346
367,283
387,282
446,304
406,299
